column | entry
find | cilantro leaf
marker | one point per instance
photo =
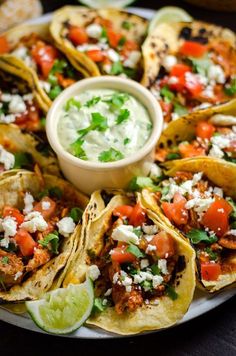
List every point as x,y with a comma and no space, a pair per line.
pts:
72,102
116,101
123,115
54,92
138,183
58,66
155,269
122,41
51,241
167,94
110,155
55,192
93,101
137,231
213,255
76,214
98,122
98,305
5,260
197,236
201,66
230,89
171,292
77,150
126,141
173,155
23,160
117,68
180,109
126,25
135,251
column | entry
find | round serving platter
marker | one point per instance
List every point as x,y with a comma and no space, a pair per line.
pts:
202,302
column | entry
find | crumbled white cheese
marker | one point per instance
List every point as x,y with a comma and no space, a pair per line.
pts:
87,47
115,278
9,226
150,248
113,55
157,280
94,30
150,229
28,201
17,105
155,171
17,275
125,233
107,68
33,222
108,292
162,264
216,152
46,205
45,86
66,226
93,272
5,242
218,191
6,158
173,80
6,97
7,119
168,62
208,91
222,141
174,116
216,74
231,232
144,263
132,60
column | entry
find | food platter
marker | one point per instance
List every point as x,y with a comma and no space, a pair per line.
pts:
202,302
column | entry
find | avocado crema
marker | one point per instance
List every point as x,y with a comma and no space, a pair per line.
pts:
103,125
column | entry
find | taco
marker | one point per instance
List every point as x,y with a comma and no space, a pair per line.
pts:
39,233
199,201
210,134
30,49
189,66
143,271
104,41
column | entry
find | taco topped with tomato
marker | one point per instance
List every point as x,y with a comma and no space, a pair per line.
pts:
31,47
205,214
143,272
105,41
38,232
189,67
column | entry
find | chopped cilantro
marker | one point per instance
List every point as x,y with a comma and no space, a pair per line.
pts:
155,269
126,25
180,109
43,122
110,155
76,214
54,92
146,285
126,141
116,101
201,66
138,183
122,41
197,236
123,115
55,192
58,66
230,89
23,160
137,231
98,122
5,260
117,68
72,102
167,94
104,33
2,283
77,150
135,251
52,79
93,101
149,126
98,305
171,292
171,156
51,241
213,255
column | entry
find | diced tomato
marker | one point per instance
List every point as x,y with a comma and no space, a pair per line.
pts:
25,242
216,218
176,211
103,22
120,255
138,216
15,213
113,38
130,46
77,35
165,246
160,154
205,129
193,86
4,45
96,55
190,150
193,49
210,271
30,120
49,204
123,211
179,70
44,55
64,82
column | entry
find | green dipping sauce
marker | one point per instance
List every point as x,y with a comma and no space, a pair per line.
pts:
103,125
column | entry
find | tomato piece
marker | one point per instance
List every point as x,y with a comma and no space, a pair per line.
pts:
4,45
194,49
64,82
25,242
190,150
138,216
176,211
216,218
44,55
13,212
193,86
205,129
160,154
210,271
30,120
95,55
179,70
165,245
77,35
120,255
130,46
113,38
123,211
46,207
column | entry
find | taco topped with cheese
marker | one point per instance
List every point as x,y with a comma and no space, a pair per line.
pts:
38,232
143,272
31,47
190,66
105,41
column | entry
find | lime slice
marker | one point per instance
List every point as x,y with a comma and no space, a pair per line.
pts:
63,310
169,14
96,4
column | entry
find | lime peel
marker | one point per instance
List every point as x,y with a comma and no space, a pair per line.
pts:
63,310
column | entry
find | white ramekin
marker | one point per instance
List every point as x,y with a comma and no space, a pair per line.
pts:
89,176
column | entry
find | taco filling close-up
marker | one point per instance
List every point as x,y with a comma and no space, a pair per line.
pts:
206,216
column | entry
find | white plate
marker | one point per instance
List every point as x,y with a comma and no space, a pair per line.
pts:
202,302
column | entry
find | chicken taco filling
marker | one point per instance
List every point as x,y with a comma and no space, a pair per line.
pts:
206,217
53,69
213,138
32,236
202,73
137,264
112,51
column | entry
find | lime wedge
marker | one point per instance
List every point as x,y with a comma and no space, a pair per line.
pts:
63,310
96,4
169,14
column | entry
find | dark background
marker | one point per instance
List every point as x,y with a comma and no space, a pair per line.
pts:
213,334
